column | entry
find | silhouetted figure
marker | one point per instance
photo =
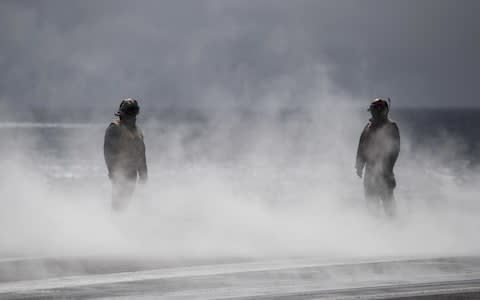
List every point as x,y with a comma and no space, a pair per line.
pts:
124,152
378,151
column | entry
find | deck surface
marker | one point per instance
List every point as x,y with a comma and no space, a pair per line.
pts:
306,278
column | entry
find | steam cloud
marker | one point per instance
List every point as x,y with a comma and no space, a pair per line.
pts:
263,166
278,183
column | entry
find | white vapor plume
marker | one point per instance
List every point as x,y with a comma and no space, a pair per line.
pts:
269,181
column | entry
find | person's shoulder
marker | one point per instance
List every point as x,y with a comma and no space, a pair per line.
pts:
114,126
392,123
139,131
115,122
366,129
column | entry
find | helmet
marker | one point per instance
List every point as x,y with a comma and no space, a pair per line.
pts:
128,107
379,104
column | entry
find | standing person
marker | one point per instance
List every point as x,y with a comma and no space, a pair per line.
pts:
124,152
378,151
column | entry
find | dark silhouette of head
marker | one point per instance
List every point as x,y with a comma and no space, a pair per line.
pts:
379,109
128,109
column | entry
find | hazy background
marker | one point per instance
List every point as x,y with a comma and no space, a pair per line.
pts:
252,112
84,56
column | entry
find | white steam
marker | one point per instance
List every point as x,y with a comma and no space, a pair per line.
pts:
273,183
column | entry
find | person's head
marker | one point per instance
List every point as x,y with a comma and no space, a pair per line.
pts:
379,109
128,109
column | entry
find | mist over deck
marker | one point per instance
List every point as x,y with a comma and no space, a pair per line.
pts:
251,113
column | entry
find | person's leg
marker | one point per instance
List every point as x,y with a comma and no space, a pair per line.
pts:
371,196
122,191
388,201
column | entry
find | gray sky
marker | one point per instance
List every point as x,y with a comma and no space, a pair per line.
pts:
186,53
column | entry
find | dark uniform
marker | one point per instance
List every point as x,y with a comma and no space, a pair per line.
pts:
378,151
124,152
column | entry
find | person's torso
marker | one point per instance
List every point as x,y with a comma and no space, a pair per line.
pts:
130,145
379,142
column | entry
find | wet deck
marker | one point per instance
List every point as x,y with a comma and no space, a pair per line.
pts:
306,278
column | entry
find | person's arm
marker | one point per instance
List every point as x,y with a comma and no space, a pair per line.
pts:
142,166
361,159
111,147
395,149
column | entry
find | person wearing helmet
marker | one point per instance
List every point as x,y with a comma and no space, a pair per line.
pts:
124,152
377,153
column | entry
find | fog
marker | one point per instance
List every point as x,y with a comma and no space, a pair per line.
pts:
275,183
62,57
251,113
